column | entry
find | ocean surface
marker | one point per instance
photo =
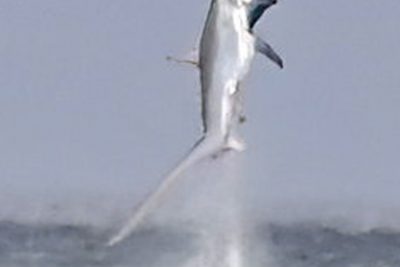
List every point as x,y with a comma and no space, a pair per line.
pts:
297,245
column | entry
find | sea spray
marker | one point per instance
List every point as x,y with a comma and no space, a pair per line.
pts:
218,215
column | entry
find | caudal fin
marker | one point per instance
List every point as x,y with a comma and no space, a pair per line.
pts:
205,147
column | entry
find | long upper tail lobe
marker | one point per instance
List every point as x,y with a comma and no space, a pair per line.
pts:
205,147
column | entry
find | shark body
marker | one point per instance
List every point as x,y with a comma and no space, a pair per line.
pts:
227,48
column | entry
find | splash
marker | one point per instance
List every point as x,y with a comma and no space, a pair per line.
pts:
234,250
214,207
221,221
234,231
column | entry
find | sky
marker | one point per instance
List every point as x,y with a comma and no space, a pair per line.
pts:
90,108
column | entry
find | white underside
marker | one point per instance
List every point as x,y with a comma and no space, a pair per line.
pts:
226,53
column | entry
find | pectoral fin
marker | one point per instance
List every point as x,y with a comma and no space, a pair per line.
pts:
265,49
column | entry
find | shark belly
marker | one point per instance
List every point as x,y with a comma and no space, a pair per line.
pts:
226,52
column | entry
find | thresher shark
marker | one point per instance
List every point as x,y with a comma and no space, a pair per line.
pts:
227,48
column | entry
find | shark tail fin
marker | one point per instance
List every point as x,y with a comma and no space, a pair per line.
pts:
205,147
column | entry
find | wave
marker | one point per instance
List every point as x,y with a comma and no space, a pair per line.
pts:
294,245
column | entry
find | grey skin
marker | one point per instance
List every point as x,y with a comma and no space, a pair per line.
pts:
227,48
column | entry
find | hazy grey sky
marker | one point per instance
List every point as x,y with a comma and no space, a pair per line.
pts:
89,105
